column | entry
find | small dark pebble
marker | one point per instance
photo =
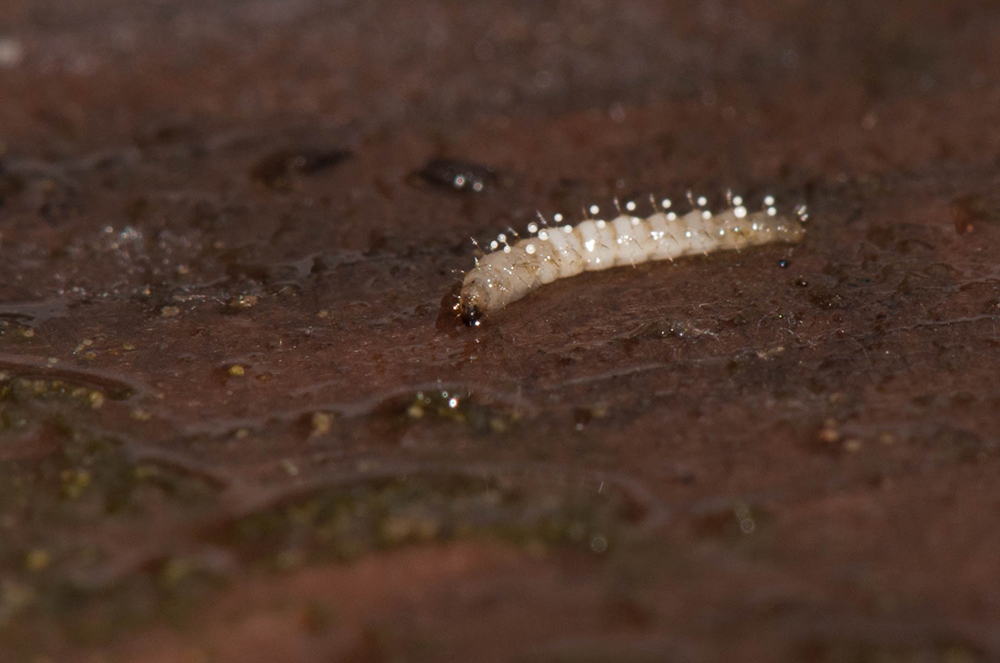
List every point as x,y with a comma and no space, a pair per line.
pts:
276,169
802,283
784,263
464,176
966,211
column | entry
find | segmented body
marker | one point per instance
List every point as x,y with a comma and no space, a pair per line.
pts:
513,269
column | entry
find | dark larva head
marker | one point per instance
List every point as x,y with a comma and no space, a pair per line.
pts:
471,315
473,301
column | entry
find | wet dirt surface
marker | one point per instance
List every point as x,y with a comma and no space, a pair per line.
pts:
239,421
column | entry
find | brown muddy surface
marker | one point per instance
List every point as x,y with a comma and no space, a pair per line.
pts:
239,421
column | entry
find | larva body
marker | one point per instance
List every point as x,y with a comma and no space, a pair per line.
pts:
514,269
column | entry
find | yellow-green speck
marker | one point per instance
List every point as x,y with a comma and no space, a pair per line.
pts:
37,559
321,423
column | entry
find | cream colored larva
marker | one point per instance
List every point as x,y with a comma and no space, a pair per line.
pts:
516,266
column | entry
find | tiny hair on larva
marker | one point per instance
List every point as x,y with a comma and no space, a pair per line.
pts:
513,266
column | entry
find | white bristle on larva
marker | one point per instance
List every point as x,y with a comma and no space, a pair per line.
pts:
516,267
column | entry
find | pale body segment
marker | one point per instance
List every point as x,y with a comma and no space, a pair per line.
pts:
553,252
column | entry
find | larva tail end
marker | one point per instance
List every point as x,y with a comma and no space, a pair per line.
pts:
791,230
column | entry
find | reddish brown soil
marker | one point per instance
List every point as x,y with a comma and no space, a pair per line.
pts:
226,295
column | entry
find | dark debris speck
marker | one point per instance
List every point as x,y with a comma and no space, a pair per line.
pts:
464,176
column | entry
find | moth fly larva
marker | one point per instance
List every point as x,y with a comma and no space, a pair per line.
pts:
515,266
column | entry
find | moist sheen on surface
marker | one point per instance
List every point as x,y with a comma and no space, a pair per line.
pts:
509,273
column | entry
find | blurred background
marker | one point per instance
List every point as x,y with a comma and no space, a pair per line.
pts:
239,420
